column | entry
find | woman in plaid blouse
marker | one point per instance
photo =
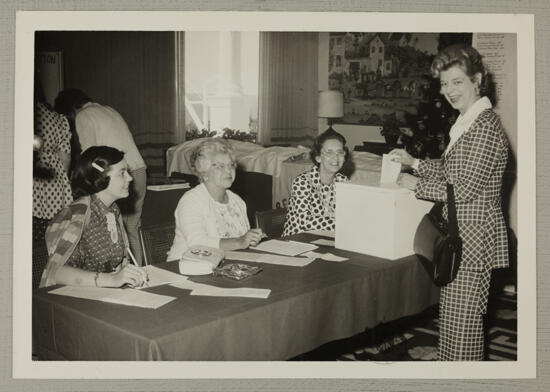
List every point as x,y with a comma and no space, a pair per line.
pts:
474,162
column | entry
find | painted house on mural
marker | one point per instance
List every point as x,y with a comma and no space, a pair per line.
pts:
359,61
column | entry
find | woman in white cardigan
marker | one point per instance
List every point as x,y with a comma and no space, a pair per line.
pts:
210,214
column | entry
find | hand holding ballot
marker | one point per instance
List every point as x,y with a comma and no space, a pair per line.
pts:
404,158
401,156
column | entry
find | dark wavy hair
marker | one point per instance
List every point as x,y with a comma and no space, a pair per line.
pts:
70,99
87,179
329,134
465,57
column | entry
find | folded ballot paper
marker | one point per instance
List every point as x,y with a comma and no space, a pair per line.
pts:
390,170
200,260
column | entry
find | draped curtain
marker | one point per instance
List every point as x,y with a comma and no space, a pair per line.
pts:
288,87
134,72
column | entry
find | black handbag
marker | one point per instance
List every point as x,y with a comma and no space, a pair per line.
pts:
437,243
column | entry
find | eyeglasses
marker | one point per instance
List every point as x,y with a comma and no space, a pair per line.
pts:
223,166
332,154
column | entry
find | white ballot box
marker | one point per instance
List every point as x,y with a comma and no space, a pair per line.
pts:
377,220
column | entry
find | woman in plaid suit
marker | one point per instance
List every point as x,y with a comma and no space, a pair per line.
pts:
474,162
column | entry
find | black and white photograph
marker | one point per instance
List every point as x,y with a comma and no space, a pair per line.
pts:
210,193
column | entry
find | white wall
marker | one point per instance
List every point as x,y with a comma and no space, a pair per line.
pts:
354,134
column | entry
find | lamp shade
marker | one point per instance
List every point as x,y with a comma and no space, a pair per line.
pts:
331,104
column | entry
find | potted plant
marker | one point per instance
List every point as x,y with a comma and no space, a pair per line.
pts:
390,129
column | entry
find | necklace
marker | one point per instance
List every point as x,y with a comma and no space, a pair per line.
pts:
111,226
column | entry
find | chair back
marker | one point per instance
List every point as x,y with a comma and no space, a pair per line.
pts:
39,261
271,221
156,242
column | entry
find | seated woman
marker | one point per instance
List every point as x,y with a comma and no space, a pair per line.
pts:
210,214
86,241
312,198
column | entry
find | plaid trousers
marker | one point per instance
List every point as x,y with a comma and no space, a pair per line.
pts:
461,308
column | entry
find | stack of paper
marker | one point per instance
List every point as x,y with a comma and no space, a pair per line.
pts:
323,242
167,187
127,297
208,290
269,258
287,248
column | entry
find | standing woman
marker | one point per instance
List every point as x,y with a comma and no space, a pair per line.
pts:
473,162
313,199
87,243
51,187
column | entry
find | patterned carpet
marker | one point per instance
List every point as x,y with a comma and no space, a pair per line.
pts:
415,338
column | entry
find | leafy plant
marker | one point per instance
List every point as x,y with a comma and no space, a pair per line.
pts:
226,133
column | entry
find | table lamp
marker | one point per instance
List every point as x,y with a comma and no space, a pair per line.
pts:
331,105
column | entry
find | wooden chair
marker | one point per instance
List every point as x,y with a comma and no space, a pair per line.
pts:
39,261
271,221
156,242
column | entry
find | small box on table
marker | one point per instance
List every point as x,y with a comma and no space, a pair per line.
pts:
377,220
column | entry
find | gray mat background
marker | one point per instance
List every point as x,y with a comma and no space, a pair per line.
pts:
541,10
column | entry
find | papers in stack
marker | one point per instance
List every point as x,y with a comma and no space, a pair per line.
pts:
167,187
287,248
213,291
323,242
269,258
128,297
325,256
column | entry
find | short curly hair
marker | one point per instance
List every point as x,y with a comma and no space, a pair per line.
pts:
465,57
329,134
201,156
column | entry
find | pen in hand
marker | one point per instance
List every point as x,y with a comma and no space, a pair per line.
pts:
134,262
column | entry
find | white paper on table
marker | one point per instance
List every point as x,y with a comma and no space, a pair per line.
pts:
141,299
287,248
390,170
322,233
187,285
323,242
243,256
159,277
269,258
325,256
95,293
231,292
128,297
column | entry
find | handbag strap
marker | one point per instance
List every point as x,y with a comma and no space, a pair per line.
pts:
451,211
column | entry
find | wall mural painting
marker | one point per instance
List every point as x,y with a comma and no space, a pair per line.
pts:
383,76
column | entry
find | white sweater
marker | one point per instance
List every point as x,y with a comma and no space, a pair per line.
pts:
200,220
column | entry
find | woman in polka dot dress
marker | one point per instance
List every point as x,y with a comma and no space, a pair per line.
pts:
313,200
51,194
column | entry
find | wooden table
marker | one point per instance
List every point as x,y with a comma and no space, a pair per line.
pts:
308,306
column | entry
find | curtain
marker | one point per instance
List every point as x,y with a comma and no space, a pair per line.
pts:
134,72
288,87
